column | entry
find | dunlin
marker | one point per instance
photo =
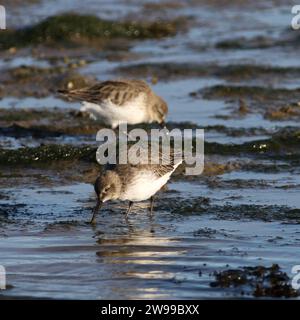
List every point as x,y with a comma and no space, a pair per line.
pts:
123,101
132,183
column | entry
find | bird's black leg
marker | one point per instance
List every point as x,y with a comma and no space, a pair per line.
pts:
95,211
129,209
151,205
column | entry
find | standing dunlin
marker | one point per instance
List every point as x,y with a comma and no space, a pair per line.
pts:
132,183
123,101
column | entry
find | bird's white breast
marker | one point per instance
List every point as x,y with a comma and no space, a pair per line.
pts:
132,112
145,185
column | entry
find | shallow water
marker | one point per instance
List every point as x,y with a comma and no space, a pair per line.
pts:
158,257
47,246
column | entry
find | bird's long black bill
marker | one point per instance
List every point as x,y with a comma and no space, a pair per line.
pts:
95,211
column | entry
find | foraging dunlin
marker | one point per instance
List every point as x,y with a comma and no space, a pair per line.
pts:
132,183
123,101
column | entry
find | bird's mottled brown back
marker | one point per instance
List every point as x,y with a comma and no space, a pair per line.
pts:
118,92
127,171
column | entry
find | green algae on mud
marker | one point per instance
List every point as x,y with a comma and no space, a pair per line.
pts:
258,281
229,211
15,3
10,116
173,70
284,144
165,71
77,29
47,153
287,39
49,122
40,82
252,92
273,103
46,122
289,111
49,174
246,44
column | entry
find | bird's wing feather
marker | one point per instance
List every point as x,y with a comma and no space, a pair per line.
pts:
158,169
118,92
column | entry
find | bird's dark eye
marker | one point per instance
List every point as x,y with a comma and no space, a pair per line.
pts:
105,189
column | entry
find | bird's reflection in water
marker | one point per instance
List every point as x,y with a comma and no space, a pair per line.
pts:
138,252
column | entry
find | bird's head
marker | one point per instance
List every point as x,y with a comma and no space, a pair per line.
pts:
159,110
108,186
